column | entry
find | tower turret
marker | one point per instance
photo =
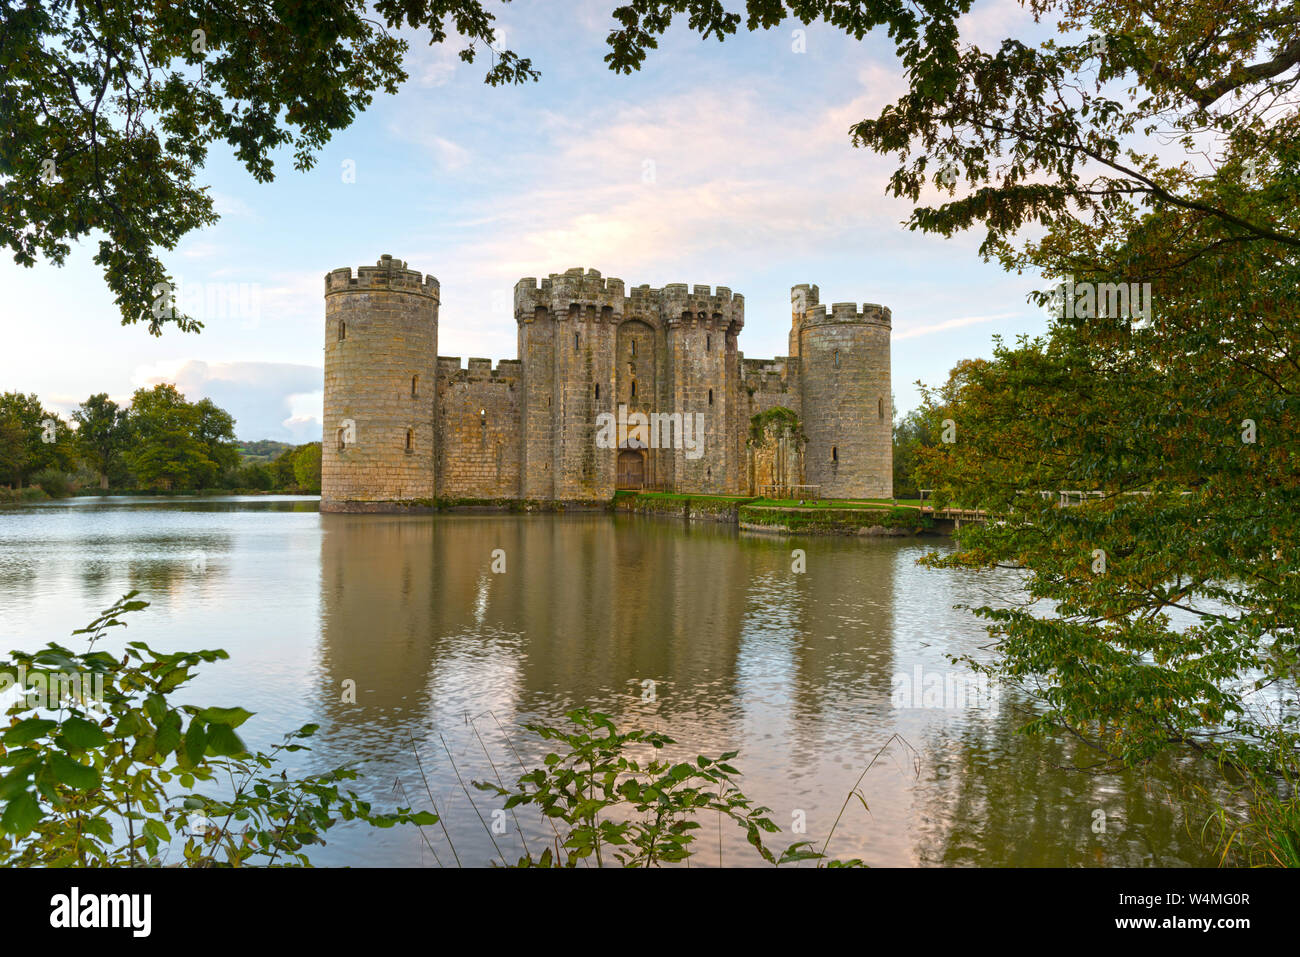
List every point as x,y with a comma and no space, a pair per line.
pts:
381,348
846,400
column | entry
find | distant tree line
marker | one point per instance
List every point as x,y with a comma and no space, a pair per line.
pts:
912,433
160,442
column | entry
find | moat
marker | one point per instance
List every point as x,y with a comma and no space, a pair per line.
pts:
702,631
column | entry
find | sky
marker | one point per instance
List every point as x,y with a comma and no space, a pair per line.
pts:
717,164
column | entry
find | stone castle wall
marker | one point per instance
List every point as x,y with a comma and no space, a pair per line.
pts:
586,346
381,343
479,429
846,399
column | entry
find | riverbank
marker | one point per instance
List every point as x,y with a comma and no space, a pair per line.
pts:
822,517
764,515
22,496
832,517
185,493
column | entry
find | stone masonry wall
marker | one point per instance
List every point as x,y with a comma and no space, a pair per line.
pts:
381,340
527,429
846,400
479,429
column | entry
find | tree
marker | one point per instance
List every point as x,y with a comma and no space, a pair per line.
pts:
102,435
109,110
42,440
13,449
306,467
216,430
251,476
911,434
166,450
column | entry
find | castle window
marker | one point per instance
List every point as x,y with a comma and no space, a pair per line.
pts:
710,397
837,358
341,435
708,343
575,342
835,454
633,347
597,391
634,388
880,407
415,386
343,330
410,440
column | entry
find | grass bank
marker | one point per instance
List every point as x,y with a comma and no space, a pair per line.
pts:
828,517
22,496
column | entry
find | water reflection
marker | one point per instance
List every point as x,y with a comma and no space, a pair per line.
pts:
699,631
709,635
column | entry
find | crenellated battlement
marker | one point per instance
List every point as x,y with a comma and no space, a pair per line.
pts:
479,370
387,275
700,304
870,313
559,293
601,299
803,297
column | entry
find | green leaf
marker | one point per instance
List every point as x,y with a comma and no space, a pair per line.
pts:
169,734
83,735
28,730
156,707
169,681
158,829
223,741
196,742
21,814
15,782
73,773
231,717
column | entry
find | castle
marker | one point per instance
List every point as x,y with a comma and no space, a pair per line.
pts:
613,388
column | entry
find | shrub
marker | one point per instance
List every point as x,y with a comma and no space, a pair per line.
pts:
53,482
640,814
83,777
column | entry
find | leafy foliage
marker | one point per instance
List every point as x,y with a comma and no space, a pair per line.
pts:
911,434
168,449
102,436
1168,600
32,439
633,812
90,782
110,110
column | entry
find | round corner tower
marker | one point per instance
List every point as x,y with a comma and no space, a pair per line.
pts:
381,349
846,398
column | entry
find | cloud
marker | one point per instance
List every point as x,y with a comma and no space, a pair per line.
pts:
645,189
948,324
269,400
